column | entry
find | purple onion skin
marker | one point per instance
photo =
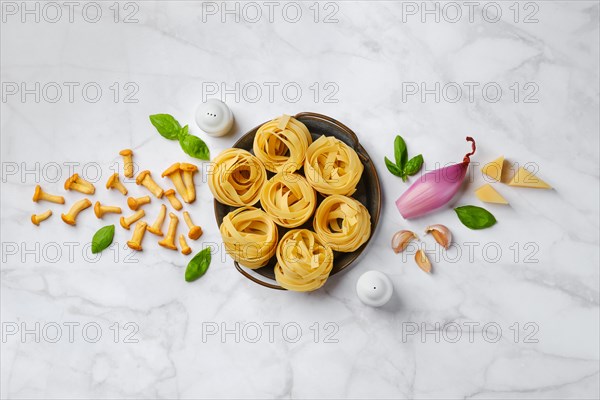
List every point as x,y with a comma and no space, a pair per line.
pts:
432,191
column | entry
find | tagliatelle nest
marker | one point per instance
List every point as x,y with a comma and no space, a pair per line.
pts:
343,223
289,199
281,144
304,262
250,236
332,167
237,178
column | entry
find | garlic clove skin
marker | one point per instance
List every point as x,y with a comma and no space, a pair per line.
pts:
441,234
401,239
423,261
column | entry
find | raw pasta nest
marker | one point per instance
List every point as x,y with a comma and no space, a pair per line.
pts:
281,144
237,178
289,199
343,223
303,261
250,236
332,167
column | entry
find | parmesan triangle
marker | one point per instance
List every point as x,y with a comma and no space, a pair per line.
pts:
525,178
494,169
488,194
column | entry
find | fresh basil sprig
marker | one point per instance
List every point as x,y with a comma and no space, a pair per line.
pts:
166,125
403,167
103,238
475,217
170,129
193,145
198,265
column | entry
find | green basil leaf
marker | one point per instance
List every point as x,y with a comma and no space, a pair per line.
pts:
475,217
166,125
193,145
414,165
400,152
198,265
393,168
103,238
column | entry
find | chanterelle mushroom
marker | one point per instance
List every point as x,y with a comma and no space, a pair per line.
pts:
188,171
39,194
138,234
71,216
174,174
145,178
100,210
36,219
134,203
127,221
172,197
169,240
115,183
195,231
75,182
156,227
127,162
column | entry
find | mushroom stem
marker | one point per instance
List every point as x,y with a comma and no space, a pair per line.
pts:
145,178
71,216
127,162
138,234
78,184
195,231
156,227
170,195
100,210
36,219
127,221
185,249
134,203
188,170
39,194
115,183
169,240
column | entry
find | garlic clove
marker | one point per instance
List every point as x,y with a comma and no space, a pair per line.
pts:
401,239
441,234
423,261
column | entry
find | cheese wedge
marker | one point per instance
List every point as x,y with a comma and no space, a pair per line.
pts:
494,169
525,178
488,194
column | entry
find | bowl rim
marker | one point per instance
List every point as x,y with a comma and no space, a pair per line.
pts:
367,163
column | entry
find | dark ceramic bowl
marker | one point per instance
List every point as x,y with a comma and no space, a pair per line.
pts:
368,192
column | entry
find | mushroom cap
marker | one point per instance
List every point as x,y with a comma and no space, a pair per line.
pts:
72,179
186,251
156,232
37,193
132,203
123,223
169,192
188,167
141,176
112,179
68,219
97,210
195,232
173,168
134,245
35,220
166,244
125,152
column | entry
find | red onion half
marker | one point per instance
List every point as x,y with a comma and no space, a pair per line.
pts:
434,189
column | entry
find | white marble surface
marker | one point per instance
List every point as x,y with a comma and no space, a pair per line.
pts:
369,55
